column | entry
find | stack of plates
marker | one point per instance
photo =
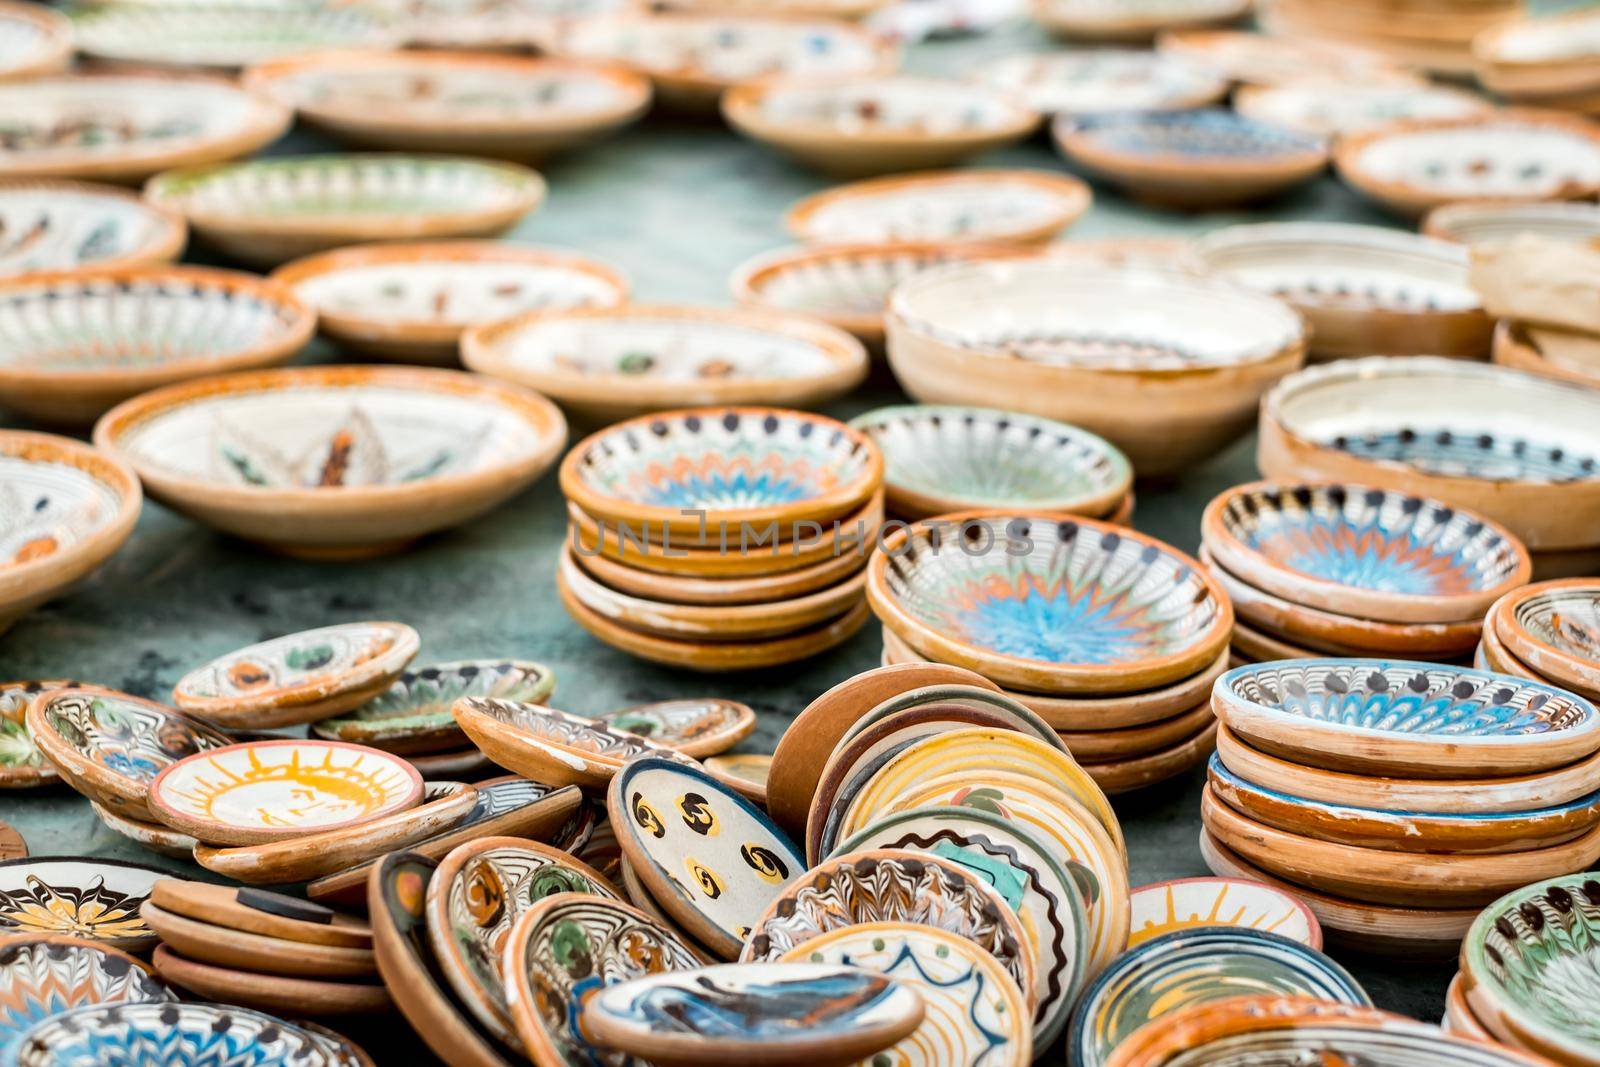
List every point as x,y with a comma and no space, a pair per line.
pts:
1398,798
1546,62
1547,632
1316,569
1430,35
1111,637
721,538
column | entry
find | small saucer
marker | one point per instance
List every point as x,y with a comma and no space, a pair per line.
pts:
956,206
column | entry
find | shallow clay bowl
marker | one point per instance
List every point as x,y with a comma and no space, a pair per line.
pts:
503,106
1054,338
1363,551
272,993
989,611
1189,903
267,211
23,764
1520,450
1133,23
78,224
38,41
547,745
336,462
412,301
1560,354
1330,107
413,714
1089,80
1257,59
1484,222
78,342
68,507
954,206
939,459
126,127
1554,628
46,975
1365,290
605,364
694,726
733,590
193,34
91,899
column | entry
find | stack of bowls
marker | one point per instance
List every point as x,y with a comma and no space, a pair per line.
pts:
1545,62
1111,637
721,538
1433,35
1316,569
1547,632
1396,799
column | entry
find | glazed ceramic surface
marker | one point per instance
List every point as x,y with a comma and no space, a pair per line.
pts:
301,666
975,1013
35,41
22,763
695,727
1095,80
898,105
1202,136
1327,108
273,790
566,948
1555,628
1496,221
1484,158
704,852
47,225
413,714
951,206
50,505
94,899
44,976
1189,903
198,33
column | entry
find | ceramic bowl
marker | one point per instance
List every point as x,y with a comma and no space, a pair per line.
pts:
1526,962
279,994
1414,720
222,35
940,459
1194,903
1373,553
615,363
694,726
504,106
1257,59
1519,450
846,285
692,58
959,206
1540,57
336,462
46,975
267,211
109,746
1364,290
497,26
37,41
1492,221
412,301
126,127
23,765
413,714
877,124
1093,80
1135,21
548,745
1049,604
1202,158
1554,628
1413,167
157,837
92,899
58,225
1335,107
1168,368
68,508
79,342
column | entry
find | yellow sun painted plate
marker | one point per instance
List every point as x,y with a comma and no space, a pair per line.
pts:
1186,903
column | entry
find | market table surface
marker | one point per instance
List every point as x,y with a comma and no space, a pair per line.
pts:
676,207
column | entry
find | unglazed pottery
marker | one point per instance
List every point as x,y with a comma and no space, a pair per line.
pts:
45,975
414,713
23,764
335,462
711,860
693,58
257,911
220,35
414,300
1412,167
547,745
59,225
1189,967
1423,426
1554,628
605,364
94,899
505,106
697,727
78,342
267,211
299,677
273,993
1195,903
1168,368
67,508
126,127
1201,158
1327,107
1493,221
265,791
110,746
1092,80
1257,59
974,1011
1132,21
956,206
1365,290
37,41
209,943
566,948
1048,604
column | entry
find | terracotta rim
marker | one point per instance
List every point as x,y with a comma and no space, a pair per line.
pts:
1218,879
358,676
1285,166
163,246
1072,192
1443,222
715,743
1120,25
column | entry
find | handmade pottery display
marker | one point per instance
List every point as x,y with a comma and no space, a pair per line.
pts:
1331,107
267,211
257,911
270,992
504,106
48,974
696,727
605,364
1023,207
1201,158
190,34
1197,903
59,225
1136,21
1554,628
413,715
547,745
126,127
38,41
1053,339
1422,426
1490,222
1092,80
336,462
94,899
413,300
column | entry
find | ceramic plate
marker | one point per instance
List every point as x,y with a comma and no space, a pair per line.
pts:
975,1013
265,791
1257,59
44,976
23,764
710,859
546,744
93,899
1094,80
1189,903
1330,107
126,127
413,714
1132,20
222,35
1554,627
35,40
1496,221
696,727
1199,140
952,206
54,225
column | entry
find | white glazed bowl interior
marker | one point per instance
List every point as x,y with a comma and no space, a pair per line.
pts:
452,292
1483,160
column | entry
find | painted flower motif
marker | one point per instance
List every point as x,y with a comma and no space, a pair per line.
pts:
351,453
93,911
